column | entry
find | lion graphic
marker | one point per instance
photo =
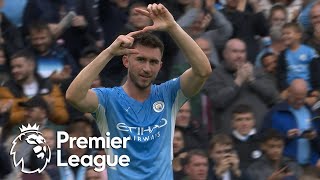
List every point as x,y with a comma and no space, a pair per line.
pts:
30,139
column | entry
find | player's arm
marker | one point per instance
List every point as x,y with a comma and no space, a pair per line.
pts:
79,93
193,79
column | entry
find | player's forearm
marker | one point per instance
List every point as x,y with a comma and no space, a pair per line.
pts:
82,83
195,56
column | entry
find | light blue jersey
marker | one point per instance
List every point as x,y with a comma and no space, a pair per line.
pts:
298,63
150,124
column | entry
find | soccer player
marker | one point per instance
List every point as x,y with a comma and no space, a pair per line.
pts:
138,109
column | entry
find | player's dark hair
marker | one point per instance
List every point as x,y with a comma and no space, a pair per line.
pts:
148,40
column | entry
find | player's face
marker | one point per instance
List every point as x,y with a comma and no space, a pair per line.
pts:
143,67
243,123
197,169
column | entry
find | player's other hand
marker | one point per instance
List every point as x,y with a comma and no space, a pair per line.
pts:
161,17
123,44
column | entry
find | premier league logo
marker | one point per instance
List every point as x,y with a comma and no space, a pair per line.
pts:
30,136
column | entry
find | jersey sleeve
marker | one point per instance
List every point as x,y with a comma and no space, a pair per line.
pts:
172,90
313,53
103,96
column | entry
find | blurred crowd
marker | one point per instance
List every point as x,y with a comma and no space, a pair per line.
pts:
257,117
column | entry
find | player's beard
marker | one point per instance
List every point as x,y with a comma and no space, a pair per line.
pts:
138,82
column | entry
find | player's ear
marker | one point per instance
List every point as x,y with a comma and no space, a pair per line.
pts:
125,61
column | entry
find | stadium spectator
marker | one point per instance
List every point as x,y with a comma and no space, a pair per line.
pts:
91,174
276,45
244,135
224,161
108,10
269,64
196,165
78,172
84,28
14,10
10,37
179,153
25,84
273,165
312,35
52,60
278,15
4,66
6,165
304,14
235,82
212,27
294,120
193,132
247,25
294,61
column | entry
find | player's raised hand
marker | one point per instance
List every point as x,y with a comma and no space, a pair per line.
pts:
122,45
161,17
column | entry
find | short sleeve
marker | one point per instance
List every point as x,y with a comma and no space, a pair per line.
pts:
313,53
103,95
172,90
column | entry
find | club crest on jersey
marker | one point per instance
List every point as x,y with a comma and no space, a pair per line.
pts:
303,57
158,106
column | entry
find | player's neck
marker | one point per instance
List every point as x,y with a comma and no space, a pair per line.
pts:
136,93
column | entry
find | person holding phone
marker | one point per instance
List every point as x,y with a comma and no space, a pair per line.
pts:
224,161
295,120
273,165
